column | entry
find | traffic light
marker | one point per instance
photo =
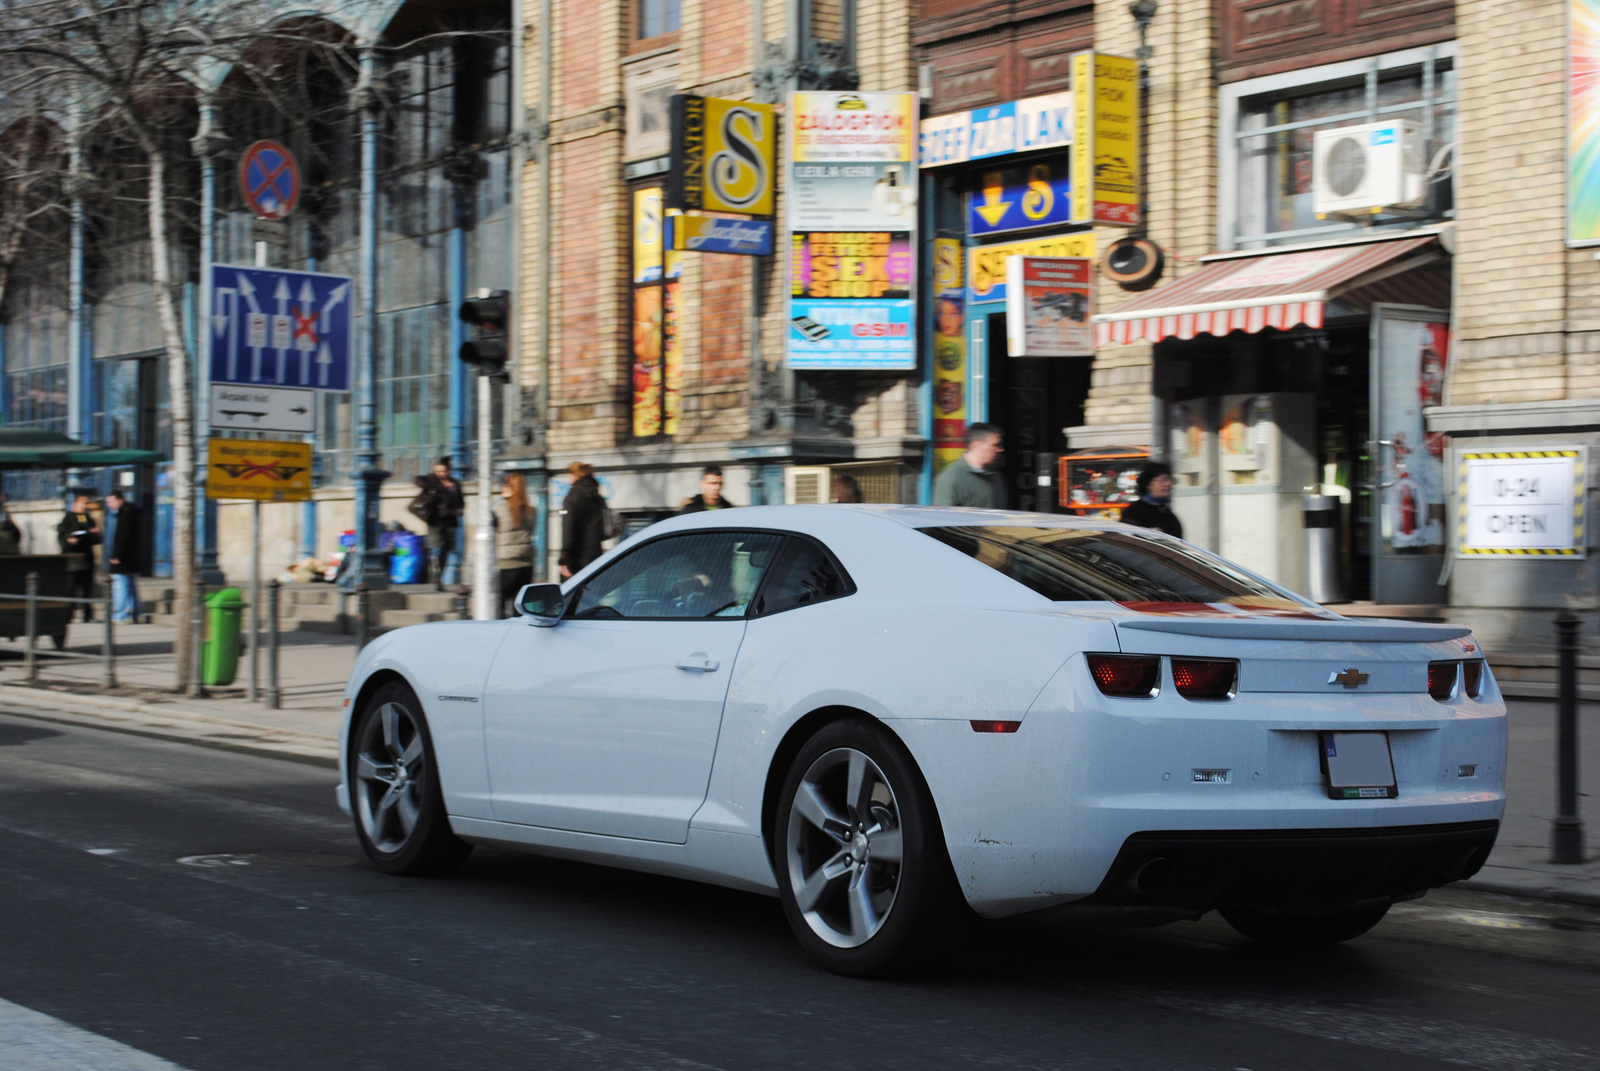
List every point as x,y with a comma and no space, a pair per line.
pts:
488,312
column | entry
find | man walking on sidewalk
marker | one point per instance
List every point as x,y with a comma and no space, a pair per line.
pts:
123,562
970,480
79,534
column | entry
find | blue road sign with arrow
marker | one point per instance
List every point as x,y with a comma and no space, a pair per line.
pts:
278,328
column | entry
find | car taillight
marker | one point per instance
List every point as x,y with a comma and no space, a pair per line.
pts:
1197,678
1442,679
1472,678
1126,676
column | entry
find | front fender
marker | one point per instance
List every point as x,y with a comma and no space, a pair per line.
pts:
445,663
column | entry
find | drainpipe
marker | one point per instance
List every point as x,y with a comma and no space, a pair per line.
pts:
543,395
370,477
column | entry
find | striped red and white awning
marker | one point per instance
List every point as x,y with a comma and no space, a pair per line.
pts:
1251,293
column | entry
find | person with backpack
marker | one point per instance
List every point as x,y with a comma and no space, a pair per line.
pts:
439,504
583,520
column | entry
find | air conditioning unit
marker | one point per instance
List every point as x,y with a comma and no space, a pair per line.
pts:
1363,170
803,484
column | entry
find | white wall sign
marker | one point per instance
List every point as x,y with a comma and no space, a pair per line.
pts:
1522,502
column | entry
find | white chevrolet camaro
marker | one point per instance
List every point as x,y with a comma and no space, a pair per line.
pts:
881,713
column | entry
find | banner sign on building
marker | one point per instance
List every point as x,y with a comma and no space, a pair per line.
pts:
986,264
722,155
1048,301
852,221
657,360
1583,122
258,470
1105,145
949,355
717,234
1017,126
1021,198
1522,502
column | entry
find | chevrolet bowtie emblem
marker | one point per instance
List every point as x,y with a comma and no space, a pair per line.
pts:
1350,678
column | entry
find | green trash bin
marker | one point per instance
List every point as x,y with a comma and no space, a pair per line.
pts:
219,659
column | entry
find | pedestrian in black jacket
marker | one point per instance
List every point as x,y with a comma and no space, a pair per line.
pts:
79,534
583,520
123,561
1154,508
710,496
445,505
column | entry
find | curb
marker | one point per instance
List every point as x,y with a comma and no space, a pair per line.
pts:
162,721
1563,896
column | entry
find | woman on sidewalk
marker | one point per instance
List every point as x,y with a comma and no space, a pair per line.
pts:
514,518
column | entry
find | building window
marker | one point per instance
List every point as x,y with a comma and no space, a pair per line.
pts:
1269,127
656,17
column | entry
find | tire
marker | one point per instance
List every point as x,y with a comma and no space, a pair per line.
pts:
852,801
395,798
1304,931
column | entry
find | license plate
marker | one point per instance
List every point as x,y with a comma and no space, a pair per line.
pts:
1358,766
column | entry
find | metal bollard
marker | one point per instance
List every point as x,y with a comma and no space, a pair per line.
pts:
361,616
197,631
31,619
273,695
1566,829
108,650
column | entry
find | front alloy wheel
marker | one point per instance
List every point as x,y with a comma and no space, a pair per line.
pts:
863,873
399,809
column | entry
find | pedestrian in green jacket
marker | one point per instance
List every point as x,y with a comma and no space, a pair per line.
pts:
972,479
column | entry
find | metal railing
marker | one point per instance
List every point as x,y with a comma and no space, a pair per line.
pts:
32,602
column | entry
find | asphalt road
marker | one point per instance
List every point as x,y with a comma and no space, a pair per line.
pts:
211,908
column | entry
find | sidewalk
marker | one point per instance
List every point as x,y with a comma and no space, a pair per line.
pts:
313,668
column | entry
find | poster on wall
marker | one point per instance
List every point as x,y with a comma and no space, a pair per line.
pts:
1522,502
1048,301
657,361
949,354
852,220
1413,356
1583,122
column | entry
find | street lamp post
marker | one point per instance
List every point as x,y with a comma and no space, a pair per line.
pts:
369,475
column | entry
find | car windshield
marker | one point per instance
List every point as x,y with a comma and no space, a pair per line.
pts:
1128,567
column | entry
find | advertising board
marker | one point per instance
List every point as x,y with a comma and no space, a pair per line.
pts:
1048,301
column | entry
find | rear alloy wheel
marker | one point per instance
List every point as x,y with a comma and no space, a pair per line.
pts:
863,873
399,810
1304,931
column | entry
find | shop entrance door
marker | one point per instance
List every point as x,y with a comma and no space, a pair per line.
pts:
1410,351
1031,399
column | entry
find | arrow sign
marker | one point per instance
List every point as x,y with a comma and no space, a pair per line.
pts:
263,408
310,315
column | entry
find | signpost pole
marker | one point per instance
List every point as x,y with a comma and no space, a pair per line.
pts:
485,586
253,635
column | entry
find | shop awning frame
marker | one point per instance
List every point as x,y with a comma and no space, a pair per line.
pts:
39,448
1279,288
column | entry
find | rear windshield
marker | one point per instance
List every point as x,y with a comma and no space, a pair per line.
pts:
1095,565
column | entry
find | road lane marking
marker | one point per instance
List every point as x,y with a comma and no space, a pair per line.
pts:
33,1041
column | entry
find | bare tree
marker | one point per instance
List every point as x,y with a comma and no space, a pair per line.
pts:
140,66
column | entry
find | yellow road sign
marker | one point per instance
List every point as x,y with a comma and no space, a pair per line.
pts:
258,470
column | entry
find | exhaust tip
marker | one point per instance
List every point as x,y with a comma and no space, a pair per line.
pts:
1155,876
1474,862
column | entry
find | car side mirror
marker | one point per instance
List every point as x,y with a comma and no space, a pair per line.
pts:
541,604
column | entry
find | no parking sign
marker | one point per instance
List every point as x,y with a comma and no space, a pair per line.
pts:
269,180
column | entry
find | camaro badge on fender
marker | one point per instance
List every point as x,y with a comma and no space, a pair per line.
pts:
1350,678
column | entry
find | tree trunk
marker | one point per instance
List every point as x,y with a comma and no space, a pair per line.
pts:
183,445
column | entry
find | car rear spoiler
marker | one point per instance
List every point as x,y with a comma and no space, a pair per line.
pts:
1265,628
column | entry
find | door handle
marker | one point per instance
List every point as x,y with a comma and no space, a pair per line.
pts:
698,661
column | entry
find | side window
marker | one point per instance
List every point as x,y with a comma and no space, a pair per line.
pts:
705,574
804,575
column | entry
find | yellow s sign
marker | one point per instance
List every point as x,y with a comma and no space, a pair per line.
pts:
1040,198
740,145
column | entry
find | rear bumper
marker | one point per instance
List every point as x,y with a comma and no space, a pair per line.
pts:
1291,869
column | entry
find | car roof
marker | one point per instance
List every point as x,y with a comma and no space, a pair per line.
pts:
817,519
